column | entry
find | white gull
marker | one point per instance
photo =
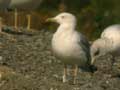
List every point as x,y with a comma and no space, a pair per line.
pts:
70,46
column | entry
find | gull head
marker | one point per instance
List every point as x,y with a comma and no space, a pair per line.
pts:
100,47
63,18
95,50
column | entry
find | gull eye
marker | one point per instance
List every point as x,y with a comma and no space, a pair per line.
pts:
62,17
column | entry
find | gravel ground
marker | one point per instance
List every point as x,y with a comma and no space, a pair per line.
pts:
27,63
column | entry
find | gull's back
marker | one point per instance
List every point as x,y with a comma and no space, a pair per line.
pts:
85,46
112,33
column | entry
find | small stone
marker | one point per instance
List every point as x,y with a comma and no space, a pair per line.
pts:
56,76
1,58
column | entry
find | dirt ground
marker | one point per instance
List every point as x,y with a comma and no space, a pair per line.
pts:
27,63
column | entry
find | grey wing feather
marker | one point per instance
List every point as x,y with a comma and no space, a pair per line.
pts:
85,46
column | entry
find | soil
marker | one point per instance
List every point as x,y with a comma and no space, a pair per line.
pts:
27,63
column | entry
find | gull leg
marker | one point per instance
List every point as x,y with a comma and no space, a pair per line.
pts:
65,74
75,74
113,61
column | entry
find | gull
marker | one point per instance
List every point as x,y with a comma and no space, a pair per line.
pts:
25,4
70,46
19,4
108,43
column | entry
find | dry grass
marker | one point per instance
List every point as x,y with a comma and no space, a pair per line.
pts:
37,19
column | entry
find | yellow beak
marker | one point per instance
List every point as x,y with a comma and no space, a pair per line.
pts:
50,20
92,61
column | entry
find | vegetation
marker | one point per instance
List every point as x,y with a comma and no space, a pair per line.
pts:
93,15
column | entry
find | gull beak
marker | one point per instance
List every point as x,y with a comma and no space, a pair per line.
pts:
92,61
51,20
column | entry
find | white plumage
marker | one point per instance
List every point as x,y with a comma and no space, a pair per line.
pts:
69,45
109,42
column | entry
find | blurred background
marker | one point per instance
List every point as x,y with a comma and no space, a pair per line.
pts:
93,15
